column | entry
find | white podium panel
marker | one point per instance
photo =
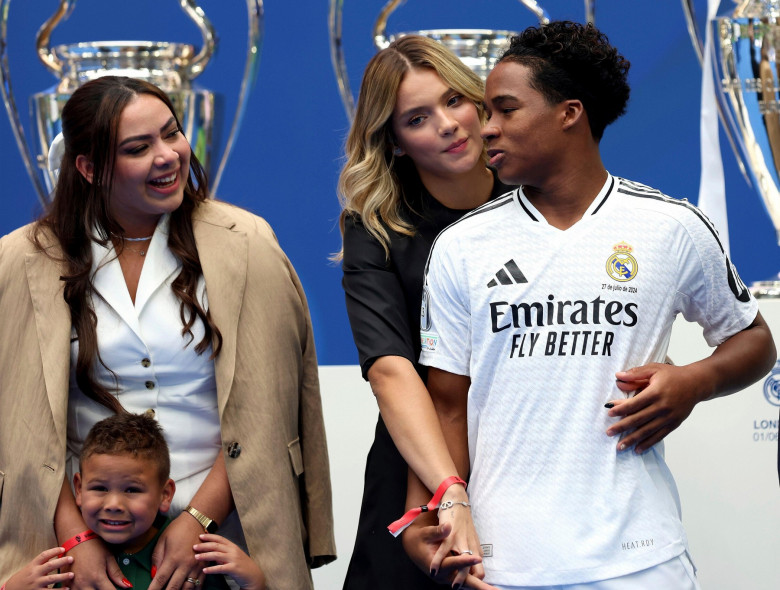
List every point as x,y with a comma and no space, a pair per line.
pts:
724,459
350,412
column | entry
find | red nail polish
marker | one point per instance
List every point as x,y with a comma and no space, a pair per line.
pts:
154,571
127,583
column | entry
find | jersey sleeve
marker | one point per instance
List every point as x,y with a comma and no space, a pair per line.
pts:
375,300
445,318
711,291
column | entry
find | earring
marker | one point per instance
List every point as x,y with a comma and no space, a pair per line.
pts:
397,151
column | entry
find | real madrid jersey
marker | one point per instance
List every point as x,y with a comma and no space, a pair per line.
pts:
540,319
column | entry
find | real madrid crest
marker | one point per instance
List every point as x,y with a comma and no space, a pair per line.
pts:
772,386
622,266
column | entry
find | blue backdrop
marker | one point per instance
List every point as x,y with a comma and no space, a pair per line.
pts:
286,161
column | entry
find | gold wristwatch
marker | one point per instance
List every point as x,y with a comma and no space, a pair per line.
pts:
209,525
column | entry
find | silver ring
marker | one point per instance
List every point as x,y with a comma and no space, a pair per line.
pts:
193,581
469,551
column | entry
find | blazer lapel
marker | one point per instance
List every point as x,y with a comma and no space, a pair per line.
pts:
53,327
223,257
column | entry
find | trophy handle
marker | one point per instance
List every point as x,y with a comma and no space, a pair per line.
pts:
13,112
255,34
590,11
335,15
537,9
45,53
207,33
693,29
724,114
381,41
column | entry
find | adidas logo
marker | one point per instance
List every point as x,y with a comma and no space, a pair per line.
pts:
509,275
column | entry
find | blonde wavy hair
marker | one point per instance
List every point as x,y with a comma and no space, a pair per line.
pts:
372,180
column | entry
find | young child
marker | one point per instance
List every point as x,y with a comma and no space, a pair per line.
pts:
123,489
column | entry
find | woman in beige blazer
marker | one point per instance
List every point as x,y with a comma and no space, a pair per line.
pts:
273,467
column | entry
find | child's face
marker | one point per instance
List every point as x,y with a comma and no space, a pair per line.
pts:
119,497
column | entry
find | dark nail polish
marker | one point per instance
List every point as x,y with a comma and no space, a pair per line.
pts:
609,405
433,573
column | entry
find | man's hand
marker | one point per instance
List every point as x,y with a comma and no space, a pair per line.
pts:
664,396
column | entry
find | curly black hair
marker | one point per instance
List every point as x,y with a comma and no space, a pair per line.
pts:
573,61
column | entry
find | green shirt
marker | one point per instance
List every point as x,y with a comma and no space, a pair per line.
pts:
137,567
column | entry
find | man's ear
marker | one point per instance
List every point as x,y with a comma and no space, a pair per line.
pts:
169,488
85,167
77,487
573,112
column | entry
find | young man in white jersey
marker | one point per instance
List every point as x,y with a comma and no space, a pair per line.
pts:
545,322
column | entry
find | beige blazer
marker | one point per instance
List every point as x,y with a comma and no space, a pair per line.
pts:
268,392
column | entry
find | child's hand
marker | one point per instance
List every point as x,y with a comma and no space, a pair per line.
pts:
230,561
38,573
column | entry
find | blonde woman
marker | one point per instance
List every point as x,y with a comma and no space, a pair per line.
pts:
415,163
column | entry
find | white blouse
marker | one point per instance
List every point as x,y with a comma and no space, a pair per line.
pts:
156,367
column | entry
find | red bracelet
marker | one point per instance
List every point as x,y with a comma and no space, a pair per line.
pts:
397,527
87,535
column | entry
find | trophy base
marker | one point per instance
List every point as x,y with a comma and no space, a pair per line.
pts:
768,289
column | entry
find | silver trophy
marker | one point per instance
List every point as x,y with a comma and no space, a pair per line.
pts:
478,48
171,66
746,37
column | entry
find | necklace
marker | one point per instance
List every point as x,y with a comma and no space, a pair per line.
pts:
136,250
140,252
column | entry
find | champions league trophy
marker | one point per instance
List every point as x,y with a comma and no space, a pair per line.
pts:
746,37
171,66
478,48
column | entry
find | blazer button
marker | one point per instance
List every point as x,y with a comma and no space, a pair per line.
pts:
150,385
234,450
145,363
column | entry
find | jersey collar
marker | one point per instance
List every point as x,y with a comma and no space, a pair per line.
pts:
609,187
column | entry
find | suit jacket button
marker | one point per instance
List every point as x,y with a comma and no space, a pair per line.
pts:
234,450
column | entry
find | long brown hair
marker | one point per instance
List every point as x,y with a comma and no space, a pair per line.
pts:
80,212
